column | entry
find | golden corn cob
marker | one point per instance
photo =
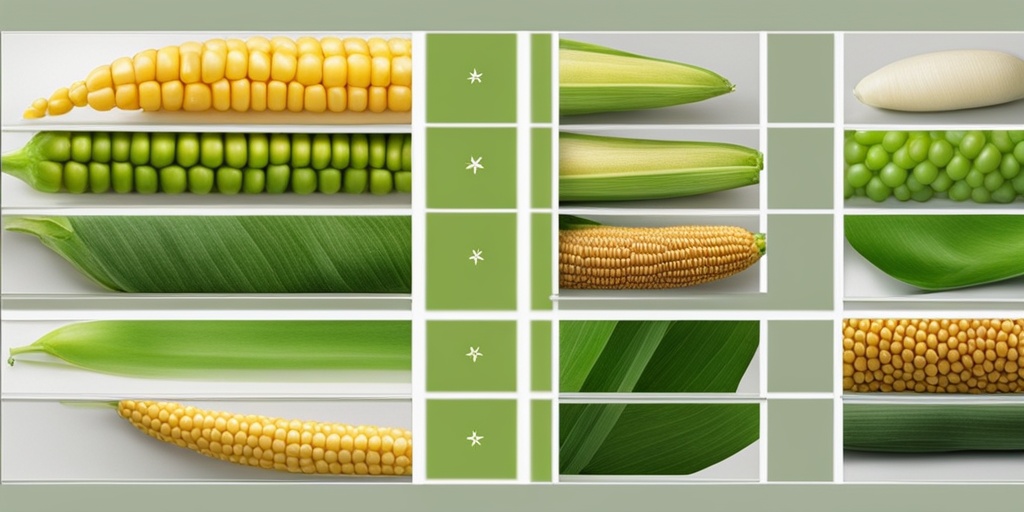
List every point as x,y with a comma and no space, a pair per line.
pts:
611,257
306,74
274,443
933,355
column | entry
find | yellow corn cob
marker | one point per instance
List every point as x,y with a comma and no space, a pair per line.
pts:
933,355
274,443
610,257
257,74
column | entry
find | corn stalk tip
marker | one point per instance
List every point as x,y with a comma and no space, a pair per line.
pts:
760,242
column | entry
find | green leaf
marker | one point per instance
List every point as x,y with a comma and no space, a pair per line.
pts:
656,356
941,252
917,428
581,343
654,439
233,254
215,348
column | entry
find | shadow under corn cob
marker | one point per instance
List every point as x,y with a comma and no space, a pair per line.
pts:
202,163
594,78
592,256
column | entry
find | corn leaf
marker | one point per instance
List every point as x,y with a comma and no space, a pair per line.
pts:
653,439
233,254
941,252
917,428
214,348
655,356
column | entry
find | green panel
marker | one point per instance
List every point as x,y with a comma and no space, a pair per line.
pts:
540,73
800,356
454,95
800,78
454,280
542,255
540,441
800,168
471,356
451,422
454,176
540,178
540,355
800,440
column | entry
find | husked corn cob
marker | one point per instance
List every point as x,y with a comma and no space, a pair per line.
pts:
306,74
274,443
593,78
594,168
934,356
611,257
228,163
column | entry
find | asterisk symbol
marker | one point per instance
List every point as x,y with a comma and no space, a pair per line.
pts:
475,77
474,164
474,439
477,257
474,352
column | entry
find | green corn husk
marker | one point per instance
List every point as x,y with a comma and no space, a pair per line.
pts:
595,168
647,356
213,348
652,439
941,252
922,428
233,254
594,78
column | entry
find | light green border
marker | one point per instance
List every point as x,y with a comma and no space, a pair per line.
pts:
536,15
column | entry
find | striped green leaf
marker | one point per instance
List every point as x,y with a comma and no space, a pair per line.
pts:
233,254
652,439
655,356
916,428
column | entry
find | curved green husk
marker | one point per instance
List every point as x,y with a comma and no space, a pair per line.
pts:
593,78
198,348
233,254
941,252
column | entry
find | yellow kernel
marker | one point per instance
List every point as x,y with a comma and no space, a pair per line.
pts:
310,69
191,67
357,99
149,95
240,94
99,79
144,63
315,98
102,99
277,96
172,96
358,70
377,99
258,96
282,67
296,95
337,99
213,66
221,91
168,66
198,97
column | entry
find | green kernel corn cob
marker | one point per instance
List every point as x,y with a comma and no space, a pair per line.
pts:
227,163
983,166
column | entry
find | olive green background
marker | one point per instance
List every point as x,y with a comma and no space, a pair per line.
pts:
450,369
542,254
800,440
449,422
453,281
800,78
451,97
451,185
540,179
540,78
799,356
564,15
800,168
540,440
540,355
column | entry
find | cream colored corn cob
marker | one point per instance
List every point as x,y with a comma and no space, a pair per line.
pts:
274,443
934,356
610,257
305,74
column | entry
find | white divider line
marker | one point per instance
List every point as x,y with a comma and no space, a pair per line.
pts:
837,257
523,250
419,267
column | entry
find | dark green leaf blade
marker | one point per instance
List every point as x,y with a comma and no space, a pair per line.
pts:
701,357
921,428
941,252
625,356
666,439
583,429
